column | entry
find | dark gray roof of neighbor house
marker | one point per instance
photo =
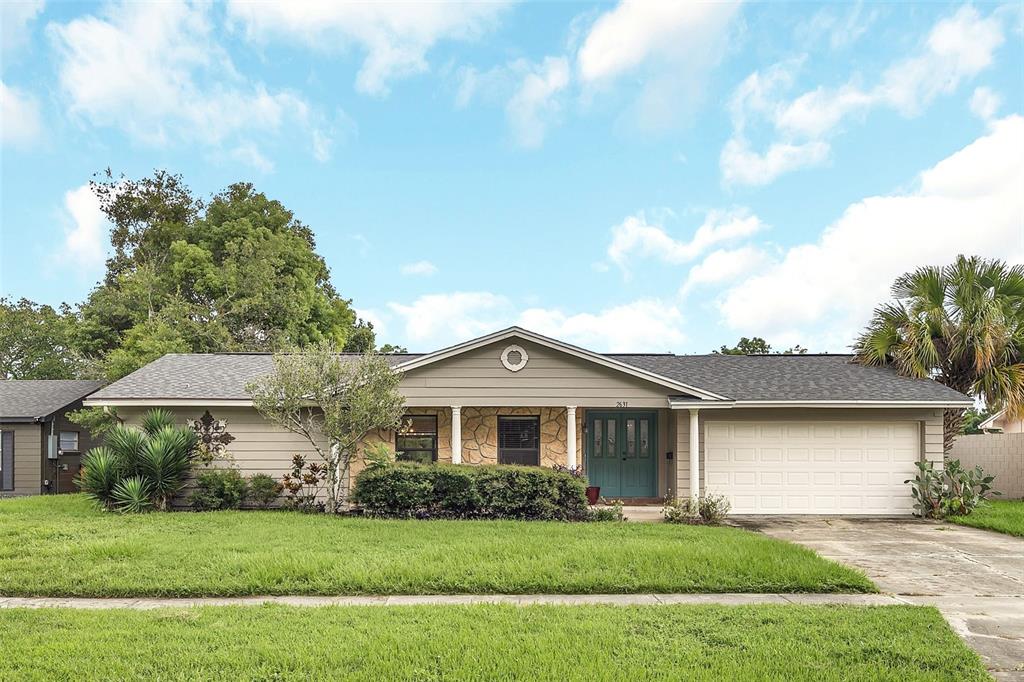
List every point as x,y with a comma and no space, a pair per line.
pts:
212,376
224,376
791,377
31,399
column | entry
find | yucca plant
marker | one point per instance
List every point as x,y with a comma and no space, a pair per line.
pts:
101,471
165,462
132,495
137,465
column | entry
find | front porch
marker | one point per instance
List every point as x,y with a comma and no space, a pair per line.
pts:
629,453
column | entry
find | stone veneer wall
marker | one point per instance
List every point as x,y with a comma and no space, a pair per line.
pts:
480,434
999,454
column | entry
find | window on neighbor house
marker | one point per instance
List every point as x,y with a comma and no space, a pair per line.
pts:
519,440
69,441
416,439
6,460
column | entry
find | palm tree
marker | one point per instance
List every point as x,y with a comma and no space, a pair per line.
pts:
962,325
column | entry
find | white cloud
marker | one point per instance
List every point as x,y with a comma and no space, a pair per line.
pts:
822,293
985,103
534,102
840,31
957,48
636,237
673,44
249,154
395,36
438,320
446,318
20,122
742,165
15,17
421,267
85,240
156,71
725,265
643,325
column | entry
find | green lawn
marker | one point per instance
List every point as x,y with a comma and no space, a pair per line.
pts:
1004,516
62,546
486,642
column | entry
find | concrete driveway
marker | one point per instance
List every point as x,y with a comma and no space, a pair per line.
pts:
974,577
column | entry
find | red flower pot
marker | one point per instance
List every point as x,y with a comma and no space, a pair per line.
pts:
593,494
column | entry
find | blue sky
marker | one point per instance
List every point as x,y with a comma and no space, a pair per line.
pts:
635,176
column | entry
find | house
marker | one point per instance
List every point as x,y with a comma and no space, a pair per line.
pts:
39,448
777,434
1001,422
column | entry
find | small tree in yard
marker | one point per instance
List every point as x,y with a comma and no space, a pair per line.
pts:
324,396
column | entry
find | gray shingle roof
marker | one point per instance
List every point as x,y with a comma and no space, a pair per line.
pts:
40,398
738,377
791,377
214,376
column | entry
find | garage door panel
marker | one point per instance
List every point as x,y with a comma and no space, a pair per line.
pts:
812,468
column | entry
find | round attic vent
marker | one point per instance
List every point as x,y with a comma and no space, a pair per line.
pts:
514,358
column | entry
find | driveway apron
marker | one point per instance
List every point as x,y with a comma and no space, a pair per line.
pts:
974,577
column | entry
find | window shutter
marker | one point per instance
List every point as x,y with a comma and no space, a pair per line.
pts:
7,460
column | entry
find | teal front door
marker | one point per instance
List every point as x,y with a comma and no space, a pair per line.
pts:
622,453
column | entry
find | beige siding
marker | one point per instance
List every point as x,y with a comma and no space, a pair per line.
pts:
28,459
550,379
930,420
259,446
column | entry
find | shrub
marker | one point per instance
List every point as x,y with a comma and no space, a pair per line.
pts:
132,495
708,509
218,489
679,510
305,485
460,491
713,509
263,490
954,491
154,460
612,512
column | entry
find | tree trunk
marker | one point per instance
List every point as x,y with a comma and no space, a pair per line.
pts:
952,425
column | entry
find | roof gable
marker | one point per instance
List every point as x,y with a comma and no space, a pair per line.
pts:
512,334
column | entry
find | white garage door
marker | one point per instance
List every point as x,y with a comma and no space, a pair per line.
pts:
812,467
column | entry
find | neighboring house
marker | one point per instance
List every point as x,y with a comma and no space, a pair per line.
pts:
777,434
1001,422
40,450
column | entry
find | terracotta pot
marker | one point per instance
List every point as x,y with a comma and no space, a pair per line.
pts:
593,494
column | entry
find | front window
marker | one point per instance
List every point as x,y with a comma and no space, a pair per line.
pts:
416,439
519,440
69,441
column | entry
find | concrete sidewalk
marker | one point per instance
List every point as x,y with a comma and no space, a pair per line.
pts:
457,599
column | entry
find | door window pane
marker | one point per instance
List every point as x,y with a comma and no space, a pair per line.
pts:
598,438
630,438
610,435
645,438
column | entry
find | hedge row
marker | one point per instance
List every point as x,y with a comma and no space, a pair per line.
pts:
407,490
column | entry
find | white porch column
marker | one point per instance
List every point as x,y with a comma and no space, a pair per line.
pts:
694,456
456,434
570,436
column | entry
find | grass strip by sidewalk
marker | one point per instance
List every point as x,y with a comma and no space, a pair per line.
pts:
1002,516
62,546
486,643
